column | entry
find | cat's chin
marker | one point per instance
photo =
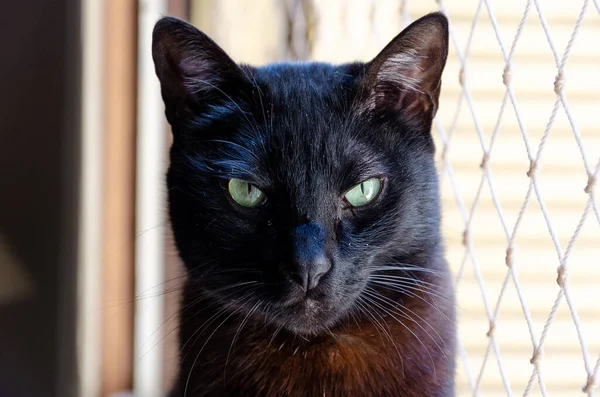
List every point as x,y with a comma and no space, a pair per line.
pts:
310,317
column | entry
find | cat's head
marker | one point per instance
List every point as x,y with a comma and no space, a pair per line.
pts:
290,185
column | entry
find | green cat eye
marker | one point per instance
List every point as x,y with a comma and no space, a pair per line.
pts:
364,192
245,194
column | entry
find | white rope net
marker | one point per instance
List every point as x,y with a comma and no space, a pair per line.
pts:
518,136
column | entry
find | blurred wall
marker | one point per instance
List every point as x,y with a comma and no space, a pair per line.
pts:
38,118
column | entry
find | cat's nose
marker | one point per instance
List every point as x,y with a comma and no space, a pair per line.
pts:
308,274
310,260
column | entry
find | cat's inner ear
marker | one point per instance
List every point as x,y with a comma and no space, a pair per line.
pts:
193,70
406,75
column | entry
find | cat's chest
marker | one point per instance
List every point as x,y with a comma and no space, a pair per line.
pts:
363,363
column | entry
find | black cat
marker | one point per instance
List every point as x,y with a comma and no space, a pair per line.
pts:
304,203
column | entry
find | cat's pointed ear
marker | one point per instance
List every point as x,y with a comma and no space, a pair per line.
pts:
193,70
406,75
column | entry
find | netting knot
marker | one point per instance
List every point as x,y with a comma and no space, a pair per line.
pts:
562,275
445,152
461,76
466,237
559,83
490,332
537,356
506,75
592,383
533,167
509,256
591,183
484,160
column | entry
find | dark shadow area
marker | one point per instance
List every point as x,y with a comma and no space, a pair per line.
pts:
39,119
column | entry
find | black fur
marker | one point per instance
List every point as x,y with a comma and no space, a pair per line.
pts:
303,133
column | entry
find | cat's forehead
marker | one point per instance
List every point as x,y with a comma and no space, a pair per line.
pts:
305,105
294,89
308,110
